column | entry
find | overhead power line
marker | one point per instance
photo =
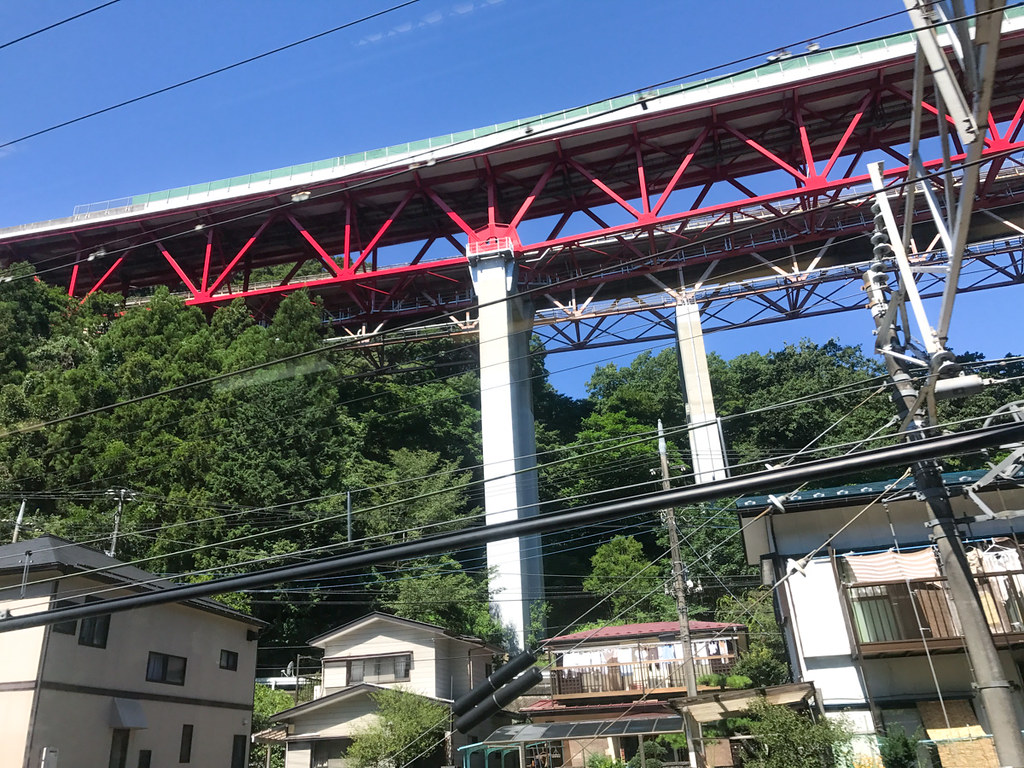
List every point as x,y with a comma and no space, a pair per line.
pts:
56,24
928,448
205,75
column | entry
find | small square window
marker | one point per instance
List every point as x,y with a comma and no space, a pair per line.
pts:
94,631
145,758
228,659
65,627
164,668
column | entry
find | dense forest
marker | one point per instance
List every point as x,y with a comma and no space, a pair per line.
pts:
317,445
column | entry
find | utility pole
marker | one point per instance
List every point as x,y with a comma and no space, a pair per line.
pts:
17,523
679,589
121,493
994,689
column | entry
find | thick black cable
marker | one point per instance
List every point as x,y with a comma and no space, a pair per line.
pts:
921,450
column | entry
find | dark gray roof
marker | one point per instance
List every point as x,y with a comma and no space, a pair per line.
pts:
52,553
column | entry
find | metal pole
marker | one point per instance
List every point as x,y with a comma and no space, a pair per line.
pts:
117,523
994,690
17,523
348,512
679,589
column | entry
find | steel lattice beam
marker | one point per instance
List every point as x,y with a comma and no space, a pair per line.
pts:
715,185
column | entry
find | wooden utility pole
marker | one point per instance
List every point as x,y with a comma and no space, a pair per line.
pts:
679,590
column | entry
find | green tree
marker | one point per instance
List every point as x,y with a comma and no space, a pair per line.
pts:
784,738
439,591
754,381
267,702
633,586
898,748
764,662
407,726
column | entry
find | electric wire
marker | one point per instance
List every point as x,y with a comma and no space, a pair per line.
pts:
56,24
264,559
206,75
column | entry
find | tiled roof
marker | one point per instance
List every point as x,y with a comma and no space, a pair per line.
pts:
631,631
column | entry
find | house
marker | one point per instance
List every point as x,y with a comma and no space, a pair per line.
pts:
867,614
160,685
374,652
611,686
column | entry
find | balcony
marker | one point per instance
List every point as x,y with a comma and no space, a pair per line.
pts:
646,674
898,618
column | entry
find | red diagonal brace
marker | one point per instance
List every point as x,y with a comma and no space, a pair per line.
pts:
238,256
380,232
604,188
177,268
103,279
670,187
324,256
766,153
525,207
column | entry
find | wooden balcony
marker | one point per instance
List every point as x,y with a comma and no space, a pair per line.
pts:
899,618
632,679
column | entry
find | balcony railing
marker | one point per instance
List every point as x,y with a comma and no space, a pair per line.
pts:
636,677
899,615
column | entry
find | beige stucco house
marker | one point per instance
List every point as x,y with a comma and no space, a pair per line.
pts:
379,651
156,686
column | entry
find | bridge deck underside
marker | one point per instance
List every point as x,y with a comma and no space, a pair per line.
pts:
742,186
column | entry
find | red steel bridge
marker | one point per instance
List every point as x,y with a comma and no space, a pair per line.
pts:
748,192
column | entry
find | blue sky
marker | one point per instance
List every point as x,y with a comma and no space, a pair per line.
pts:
431,68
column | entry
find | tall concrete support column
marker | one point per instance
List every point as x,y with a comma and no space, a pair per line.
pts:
509,442
705,434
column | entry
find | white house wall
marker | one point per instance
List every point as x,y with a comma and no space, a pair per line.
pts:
819,630
381,639
15,717
335,721
79,725
57,693
171,629
799,532
299,755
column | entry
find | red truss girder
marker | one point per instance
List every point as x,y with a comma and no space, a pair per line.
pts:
639,196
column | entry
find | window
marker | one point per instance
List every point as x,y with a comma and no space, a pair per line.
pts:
228,660
185,751
65,627
238,744
164,668
145,758
382,669
119,748
94,631
330,753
